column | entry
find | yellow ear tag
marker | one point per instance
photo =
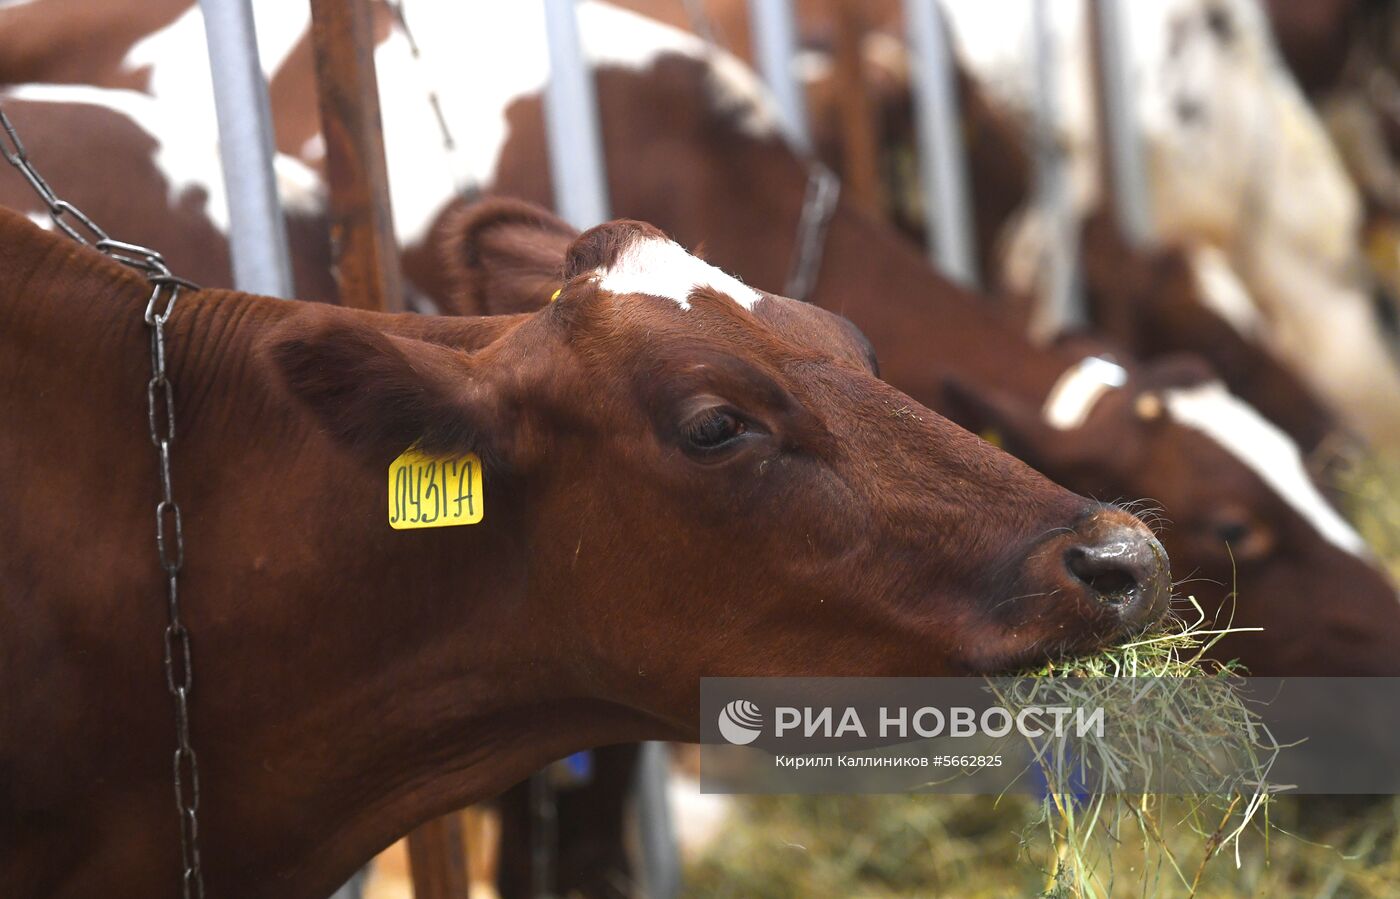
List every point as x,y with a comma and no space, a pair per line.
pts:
554,296
434,492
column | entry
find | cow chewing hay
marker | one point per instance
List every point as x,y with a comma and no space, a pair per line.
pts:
1205,734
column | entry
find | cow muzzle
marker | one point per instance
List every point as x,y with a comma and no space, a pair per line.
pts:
1120,564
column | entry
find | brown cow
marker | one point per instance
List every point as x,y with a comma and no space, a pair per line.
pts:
170,64
1242,510
1179,432
740,196
1159,302
663,439
116,156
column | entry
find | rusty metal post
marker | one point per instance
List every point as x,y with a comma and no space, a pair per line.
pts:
363,249
860,167
437,859
365,255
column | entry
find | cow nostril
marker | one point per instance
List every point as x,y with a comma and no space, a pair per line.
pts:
1122,567
1111,577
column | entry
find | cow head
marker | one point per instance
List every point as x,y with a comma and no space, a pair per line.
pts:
711,480
1188,298
1239,510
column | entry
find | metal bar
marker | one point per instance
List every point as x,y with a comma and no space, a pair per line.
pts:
257,231
1061,303
942,155
775,48
661,862
571,116
364,252
1123,176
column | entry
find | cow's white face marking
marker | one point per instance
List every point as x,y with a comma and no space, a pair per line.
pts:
659,267
42,219
1268,452
1079,389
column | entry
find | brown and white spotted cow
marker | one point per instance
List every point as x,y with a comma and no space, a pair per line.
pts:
158,47
1243,513
707,165
682,476
1236,160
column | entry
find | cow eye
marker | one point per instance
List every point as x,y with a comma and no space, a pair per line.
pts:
1232,532
713,429
1247,537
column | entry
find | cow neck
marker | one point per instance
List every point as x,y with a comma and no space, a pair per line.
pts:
923,326
428,644
352,681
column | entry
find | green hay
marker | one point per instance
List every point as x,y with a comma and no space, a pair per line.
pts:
1205,733
979,847
1369,488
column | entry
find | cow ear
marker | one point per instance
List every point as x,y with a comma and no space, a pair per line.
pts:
378,394
1008,422
504,256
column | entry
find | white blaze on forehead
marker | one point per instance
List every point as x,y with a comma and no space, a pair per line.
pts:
1265,450
662,268
42,219
1079,389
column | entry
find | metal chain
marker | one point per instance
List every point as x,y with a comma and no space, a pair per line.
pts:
170,538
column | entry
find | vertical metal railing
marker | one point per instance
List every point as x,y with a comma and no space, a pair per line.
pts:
571,115
1062,304
942,154
775,49
1123,177
257,231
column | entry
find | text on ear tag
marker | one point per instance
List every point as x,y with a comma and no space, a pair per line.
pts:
434,491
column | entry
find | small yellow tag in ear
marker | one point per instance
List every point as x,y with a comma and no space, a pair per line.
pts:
554,296
992,436
434,492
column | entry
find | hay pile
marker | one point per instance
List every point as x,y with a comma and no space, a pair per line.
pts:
1250,843
1189,729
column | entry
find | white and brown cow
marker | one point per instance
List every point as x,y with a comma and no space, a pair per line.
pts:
681,476
709,167
1237,161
